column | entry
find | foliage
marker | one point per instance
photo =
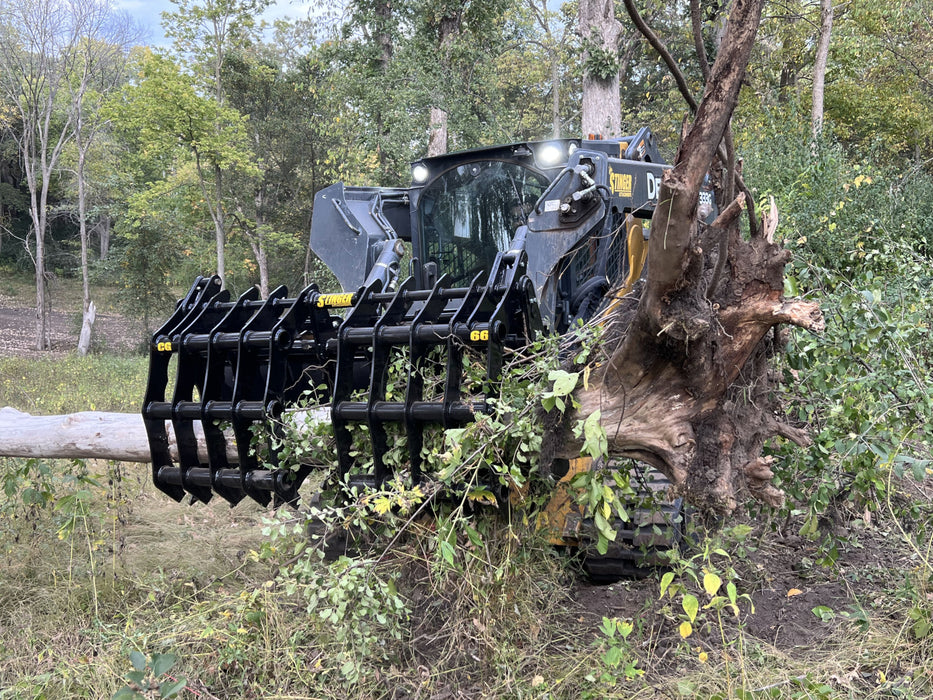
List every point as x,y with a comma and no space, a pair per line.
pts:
144,678
860,234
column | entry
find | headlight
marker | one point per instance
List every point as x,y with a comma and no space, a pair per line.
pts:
550,154
419,173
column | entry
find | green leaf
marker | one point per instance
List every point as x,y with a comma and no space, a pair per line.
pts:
711,583
125,693
564,382
171,689
691,606
602,525
447,551
613,656
138,659
136,677
162,663
595,441
666,581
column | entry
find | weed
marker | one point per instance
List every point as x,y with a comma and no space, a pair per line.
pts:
146,678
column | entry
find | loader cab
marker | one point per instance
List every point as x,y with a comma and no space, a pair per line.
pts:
467,206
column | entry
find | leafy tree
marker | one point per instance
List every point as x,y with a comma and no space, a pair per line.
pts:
205,31
38,39
271,203
881,78
174,121
101,68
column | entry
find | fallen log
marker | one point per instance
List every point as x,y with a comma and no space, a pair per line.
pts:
102,435
85,435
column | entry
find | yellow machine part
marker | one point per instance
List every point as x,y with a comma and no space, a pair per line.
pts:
562,517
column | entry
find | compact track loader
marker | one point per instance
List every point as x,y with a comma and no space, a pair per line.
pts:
505,243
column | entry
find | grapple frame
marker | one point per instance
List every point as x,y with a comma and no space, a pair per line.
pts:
239,363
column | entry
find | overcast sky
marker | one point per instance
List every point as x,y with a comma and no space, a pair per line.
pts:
149,14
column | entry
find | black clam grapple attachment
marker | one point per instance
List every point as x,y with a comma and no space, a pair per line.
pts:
505,242
245,360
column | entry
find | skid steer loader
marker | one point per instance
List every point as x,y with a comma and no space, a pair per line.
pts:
505,243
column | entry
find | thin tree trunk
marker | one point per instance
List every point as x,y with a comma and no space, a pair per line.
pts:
819,67
448,28
437,138
555,92
103,231
88,312
220,234
37,212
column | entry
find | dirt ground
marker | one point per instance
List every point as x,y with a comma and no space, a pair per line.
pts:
18,331
784,582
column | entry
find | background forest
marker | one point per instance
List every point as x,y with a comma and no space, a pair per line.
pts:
131,170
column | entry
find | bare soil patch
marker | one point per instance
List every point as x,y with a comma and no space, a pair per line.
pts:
799,605
18,332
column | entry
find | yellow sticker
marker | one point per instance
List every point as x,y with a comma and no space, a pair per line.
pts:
335,300
479,336
621,184
164,347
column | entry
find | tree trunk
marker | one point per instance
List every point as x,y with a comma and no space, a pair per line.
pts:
87,326
601,32
555,91
447,30
819,67
86,435
88,312
103,232
437,137
43,322
684,381
220,233
100,435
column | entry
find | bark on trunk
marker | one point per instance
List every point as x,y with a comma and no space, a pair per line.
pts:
684,384
86,435
601,32
103,232
87,327
89,313
437,138
447,31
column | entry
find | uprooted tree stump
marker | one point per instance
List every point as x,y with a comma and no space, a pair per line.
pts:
684,381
